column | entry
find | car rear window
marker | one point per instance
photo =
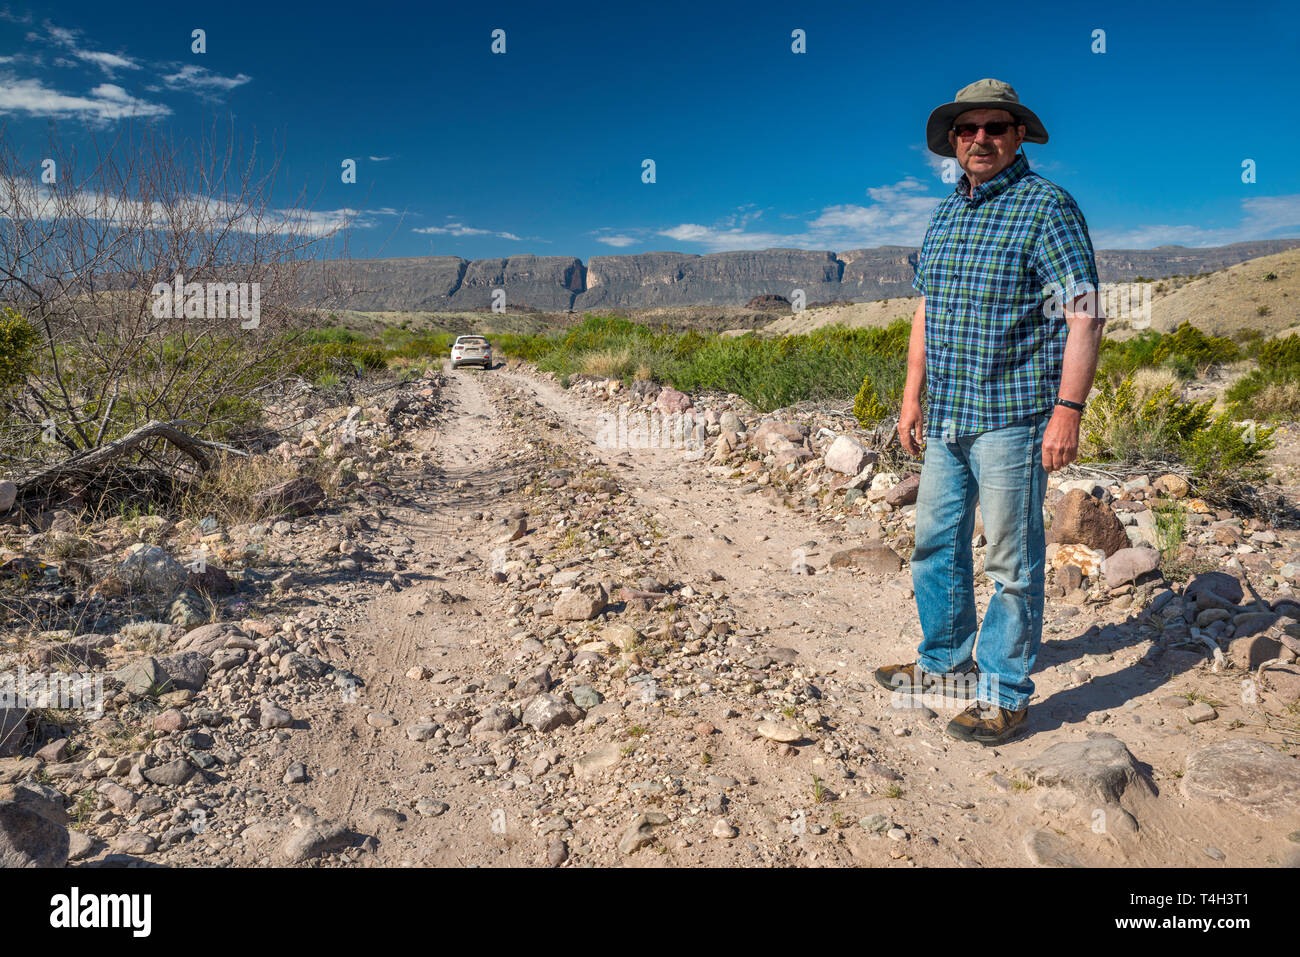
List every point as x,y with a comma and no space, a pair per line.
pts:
472,341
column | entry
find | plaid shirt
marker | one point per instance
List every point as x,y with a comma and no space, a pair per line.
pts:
988,265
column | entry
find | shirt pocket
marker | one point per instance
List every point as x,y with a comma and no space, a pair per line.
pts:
1000,281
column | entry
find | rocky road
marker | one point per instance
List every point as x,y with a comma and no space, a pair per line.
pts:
582,655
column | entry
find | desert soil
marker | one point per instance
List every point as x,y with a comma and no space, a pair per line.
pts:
863,782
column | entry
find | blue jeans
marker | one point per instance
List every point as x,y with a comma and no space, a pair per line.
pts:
1003,469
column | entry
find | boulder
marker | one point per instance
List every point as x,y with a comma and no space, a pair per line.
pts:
150,567
1244,775
876,558
172,774
207,639
1128,565
1251,651
779,435
904,493
847,455
1099,769
29,838
546,712
670,401
581,603
313,840
641,831
1221,585
1081,519
1175,486
297,496
730,422
187,670
600,759
140,676
13,728
494,722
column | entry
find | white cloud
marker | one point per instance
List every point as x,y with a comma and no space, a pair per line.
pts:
71,40
460,229
201,80
618,241
896,216
22,199
1262,217
107,101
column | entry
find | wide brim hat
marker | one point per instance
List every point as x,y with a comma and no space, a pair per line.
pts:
984,94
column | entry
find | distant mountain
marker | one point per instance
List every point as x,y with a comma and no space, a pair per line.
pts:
644,280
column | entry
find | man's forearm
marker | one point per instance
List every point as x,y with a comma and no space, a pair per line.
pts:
1079,364
916,356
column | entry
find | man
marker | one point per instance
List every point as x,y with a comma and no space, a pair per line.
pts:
1006,337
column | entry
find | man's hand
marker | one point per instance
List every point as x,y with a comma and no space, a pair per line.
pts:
911,431
1061,438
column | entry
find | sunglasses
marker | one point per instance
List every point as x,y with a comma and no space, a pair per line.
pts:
967,131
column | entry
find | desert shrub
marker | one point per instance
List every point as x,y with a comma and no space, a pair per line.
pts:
1278,398
316,360
1270,391
17,345
1150,380
1226,454
1187,351
1121,426
1171,519
428,345
229,491
1189,343
1279,354
1221,453
609,363
868,408
328,334
824,365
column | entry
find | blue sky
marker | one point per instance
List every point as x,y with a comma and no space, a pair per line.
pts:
463,152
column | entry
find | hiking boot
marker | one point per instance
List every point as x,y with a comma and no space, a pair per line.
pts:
988,725
910,679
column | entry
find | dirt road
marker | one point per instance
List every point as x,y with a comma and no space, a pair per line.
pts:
868,783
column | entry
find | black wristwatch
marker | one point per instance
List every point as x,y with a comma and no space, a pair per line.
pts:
1076,406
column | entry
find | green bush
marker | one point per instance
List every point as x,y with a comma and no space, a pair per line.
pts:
825,365
1221,452
1119,426
1226,454
1189,343
337,358
868,408
17,347
1186,350
1280,354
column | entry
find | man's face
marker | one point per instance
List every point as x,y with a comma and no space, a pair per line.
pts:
983,156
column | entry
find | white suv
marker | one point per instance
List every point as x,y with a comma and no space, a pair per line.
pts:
471,351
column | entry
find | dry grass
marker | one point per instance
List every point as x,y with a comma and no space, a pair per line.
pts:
1279,399
609,363
228,491
1149,380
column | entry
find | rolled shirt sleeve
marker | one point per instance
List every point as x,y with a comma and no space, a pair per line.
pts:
1063,259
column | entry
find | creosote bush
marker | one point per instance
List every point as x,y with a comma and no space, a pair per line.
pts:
1222,452
17,345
